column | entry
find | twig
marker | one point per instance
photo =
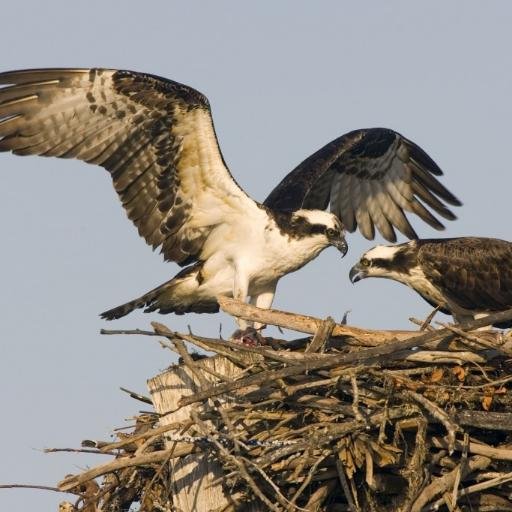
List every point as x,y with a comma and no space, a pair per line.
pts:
138,332
445,357
320,495
369,475
439,414
494,482
153,433
78,450
489,420
221,346
158,472
344,483
321,336
460,469
355,399
308,478
279,496
419,323
442,484
486,485
470,337
430,317
476,448
73,481
137,396
189,362
39,487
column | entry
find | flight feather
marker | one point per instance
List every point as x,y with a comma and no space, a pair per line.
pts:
154,136
370,177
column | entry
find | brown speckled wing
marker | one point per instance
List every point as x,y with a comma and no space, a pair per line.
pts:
370,178
475,273
154,136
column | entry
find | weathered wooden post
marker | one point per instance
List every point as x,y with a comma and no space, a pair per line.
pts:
192,477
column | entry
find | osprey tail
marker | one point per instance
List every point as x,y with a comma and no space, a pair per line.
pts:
179,296
120,311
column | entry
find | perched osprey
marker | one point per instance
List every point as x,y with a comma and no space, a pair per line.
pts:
156,138
466,277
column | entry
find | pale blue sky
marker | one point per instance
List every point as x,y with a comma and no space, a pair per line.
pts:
283,79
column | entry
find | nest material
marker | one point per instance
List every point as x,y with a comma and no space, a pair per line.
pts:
325,424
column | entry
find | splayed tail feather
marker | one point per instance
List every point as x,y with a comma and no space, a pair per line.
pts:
175,296
147,300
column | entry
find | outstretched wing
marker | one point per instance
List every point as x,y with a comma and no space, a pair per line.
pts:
370,177
476,273
154,136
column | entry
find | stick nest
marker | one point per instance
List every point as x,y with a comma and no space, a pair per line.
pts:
407,421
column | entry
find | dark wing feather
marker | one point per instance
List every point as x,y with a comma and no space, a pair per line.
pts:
370,178
475,273
154,136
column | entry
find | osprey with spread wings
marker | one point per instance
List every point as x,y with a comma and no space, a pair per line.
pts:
157,140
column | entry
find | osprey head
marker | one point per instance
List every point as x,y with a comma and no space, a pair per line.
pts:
322,227
389,261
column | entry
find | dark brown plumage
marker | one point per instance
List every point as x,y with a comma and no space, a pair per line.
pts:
464,276
474,272
369,177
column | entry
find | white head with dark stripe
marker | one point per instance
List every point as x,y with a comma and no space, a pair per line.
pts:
388,261
324,226
316,228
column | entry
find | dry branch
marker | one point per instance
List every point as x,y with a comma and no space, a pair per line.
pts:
310,325
73,481
303,323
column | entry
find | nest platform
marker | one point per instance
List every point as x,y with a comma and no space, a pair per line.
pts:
343,419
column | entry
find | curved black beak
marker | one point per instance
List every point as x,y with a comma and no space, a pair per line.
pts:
341,245
356,273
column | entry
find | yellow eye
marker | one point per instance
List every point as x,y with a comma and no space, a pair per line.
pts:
365,262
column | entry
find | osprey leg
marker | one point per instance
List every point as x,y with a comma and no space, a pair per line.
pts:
264,301
240,292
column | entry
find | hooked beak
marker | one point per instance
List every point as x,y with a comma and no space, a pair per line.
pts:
356,273
341,245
